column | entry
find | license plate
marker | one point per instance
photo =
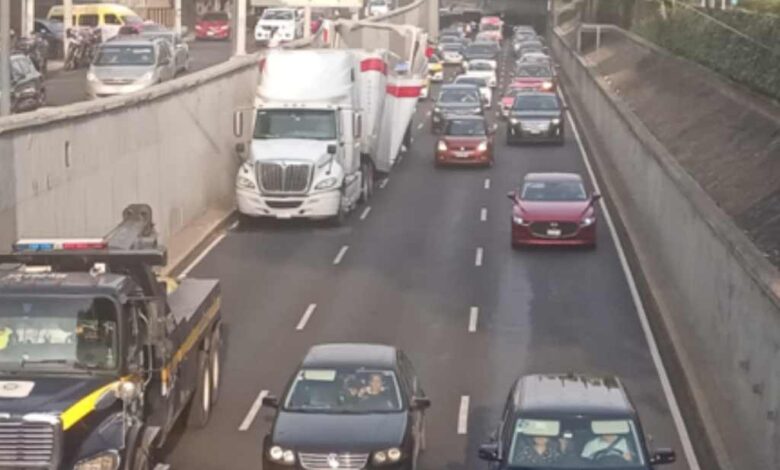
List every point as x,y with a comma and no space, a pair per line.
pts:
284,216
553,232
535,131
461,155
210,33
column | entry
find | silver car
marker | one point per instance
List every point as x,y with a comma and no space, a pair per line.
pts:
128,64
181,50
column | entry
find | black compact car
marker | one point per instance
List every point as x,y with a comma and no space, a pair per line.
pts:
572,421
349,406
27,90
536,117
485,50
52,32
456,100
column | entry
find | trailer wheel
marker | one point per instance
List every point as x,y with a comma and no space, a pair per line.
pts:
215,363
141,459
367,190
200,406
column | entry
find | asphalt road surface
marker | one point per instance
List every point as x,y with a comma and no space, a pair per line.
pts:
410,276
70,86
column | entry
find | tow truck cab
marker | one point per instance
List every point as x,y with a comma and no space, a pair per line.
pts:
98,356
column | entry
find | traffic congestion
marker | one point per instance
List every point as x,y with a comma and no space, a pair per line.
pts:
378,304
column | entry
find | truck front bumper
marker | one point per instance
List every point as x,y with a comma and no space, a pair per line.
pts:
315,206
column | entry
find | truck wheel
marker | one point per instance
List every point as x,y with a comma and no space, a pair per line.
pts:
200,406
141,459
367,190
215,363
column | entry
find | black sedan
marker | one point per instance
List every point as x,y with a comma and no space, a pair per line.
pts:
455,99
27,90
349,406
536,117
570,421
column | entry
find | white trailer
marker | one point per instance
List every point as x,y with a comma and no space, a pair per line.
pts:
325,121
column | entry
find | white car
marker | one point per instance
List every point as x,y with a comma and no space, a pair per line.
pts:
483,69
484,89
280,24
452,54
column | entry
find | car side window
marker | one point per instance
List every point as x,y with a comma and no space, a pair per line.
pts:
88,20
112,19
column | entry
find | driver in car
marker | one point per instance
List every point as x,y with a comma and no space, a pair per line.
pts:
607,445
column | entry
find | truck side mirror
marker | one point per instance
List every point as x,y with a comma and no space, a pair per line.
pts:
241,151
663,457
238,124
489,452
332,148
271,401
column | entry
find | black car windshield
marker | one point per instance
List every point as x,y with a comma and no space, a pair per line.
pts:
533,70
465,127
575,443
58,333
536,103
489,27
344,390
125,55
215,16
478,81
452,47
295,124
482,49
553,191
480,66
459,96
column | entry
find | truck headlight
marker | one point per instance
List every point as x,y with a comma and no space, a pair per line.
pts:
327,183
280,455
245,183
387,456
104,461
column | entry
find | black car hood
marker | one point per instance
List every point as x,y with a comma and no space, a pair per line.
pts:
479,55
310,432
535,114
47,394
457,106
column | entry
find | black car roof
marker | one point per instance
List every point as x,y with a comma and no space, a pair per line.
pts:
337,355
571,393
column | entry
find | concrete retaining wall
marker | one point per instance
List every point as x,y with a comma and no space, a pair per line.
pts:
70,171
718,298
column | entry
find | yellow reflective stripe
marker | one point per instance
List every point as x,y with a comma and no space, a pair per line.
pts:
83,407
5,336
191,340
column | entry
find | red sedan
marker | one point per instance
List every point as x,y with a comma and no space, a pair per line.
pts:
534,77
553,209
467,140
214,25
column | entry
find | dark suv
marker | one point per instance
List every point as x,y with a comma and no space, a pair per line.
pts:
27,90
349,406
536,117
570,422
456,100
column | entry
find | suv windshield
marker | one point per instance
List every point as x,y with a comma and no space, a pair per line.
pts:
355,390
465,127
553,191
477,81
125,55
575,443
533,70
480,66
536,103
278,15
58,332
480,49
295,124
459,96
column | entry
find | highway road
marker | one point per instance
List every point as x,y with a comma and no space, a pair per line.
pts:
427,266
70,86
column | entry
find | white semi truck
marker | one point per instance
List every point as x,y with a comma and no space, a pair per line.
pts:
325,122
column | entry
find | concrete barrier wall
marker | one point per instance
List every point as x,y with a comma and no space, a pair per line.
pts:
70,171
719,299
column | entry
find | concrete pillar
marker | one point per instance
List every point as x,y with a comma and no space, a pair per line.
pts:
240,27
5,57
67,23
307,22
28,17
177,16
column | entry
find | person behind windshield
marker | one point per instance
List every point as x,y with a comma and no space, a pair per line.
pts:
375,395
539,450
607,445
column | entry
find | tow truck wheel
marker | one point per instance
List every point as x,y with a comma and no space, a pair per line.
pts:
200,407
215,363
141,459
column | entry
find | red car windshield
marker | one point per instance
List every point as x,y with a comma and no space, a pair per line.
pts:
553,191
465,128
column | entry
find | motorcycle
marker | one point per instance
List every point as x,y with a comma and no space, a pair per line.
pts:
82,47
36,48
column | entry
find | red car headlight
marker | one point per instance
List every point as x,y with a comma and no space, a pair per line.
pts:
482,147
442,147
587,221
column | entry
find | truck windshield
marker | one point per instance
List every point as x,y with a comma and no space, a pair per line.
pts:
58,333
295,124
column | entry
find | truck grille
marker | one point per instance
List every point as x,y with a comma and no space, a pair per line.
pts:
330,461
567,228
26,445
284,178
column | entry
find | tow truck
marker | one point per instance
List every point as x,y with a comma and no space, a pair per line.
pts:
100,356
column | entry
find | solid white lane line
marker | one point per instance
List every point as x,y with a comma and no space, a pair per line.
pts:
365,213
478,257
483,214
473,316
340,255
666,385
253,410
420,126
487,183
428,114
383,183
305,318
233,225
203,254
463,415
